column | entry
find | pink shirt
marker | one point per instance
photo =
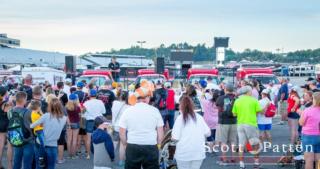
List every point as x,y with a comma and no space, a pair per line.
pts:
210,113
255,93
312,121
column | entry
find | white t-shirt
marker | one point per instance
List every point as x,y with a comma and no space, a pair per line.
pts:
141,121
94,108
66,89
262,119
117,110
273,92
191,138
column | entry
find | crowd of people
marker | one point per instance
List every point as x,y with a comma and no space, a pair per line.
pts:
123,128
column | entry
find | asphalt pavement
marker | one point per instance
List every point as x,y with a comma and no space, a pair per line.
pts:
280,136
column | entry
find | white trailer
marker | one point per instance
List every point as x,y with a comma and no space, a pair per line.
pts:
43,74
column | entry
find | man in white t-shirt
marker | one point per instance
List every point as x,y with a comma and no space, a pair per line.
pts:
67,86
93,108
144,127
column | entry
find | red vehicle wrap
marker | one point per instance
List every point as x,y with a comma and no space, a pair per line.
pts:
151,72
192,72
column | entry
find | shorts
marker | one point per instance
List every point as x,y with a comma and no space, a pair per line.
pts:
212,137
293,115
248,133
116,136
82,132
311,143
89,126
62,138
264,127
74,125
227,133
4,126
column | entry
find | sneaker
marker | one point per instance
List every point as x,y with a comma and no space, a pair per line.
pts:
121,164
74,157
242,166
88,157
223,163
61,161
42,162
281,123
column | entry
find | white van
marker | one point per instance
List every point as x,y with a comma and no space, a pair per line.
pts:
42,74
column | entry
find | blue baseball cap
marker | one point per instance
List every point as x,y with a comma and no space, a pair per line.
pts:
80,84
203,83
73,96
93,93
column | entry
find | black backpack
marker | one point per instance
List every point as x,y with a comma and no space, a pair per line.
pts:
162,103
16,128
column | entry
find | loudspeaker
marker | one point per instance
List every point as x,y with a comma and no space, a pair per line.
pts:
159,66
184,69
70,62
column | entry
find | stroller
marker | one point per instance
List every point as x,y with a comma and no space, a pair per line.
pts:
293,158
167,150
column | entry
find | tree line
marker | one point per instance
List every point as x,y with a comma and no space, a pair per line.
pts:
201,52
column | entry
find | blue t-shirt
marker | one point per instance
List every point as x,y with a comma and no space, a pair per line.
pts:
283,89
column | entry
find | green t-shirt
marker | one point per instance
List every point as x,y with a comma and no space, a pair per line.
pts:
246,109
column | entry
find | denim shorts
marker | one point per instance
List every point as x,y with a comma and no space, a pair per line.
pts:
264,127
74,125
311,143
89,126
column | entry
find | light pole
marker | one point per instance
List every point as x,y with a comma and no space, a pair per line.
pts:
141,43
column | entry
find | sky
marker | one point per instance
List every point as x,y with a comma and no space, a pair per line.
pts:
82,26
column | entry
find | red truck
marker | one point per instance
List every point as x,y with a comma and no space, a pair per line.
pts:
265,75
99,75
151,75
202,74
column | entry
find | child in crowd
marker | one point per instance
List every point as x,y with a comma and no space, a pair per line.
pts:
102,145
35,107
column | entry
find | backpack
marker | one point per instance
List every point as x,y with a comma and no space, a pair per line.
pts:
271,110
228,105
162,103
16,129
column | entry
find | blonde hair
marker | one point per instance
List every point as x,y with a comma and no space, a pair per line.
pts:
316,99
55,108
72,104
50,97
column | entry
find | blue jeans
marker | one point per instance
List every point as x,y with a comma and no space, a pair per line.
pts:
39,148
171,118
51,153
24,153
